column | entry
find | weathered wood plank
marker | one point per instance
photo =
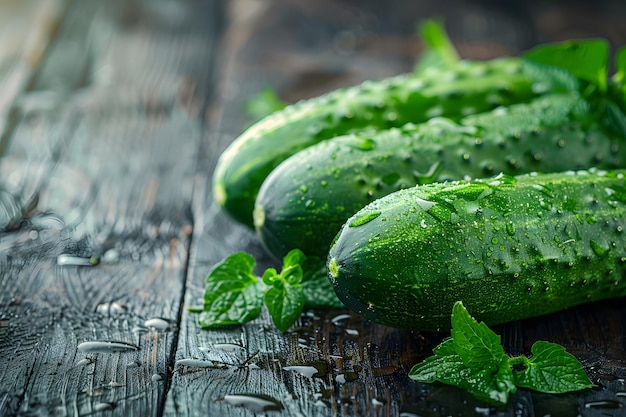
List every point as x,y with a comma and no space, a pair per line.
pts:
26,30
111,122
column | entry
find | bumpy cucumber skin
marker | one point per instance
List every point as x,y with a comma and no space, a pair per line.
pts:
509,248
305,200
473,86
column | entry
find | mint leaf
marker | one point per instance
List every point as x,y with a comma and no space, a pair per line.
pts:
586,59
474,342
232,274
292,266
490,387
294,257
550,78
292,274
473,359
236,306
551,369
233,294
264,103
285,304
445,348
619,78
319,292
439,50
270,276
445,369
285,299
620,67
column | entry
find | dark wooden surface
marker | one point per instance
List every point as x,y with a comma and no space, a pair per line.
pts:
112,116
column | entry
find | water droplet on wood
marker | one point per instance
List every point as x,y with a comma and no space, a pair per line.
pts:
308,371
71,260
606,404
228,347
257,403
112,308
103,406
99,346
159,324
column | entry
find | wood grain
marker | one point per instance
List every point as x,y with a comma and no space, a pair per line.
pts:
113,140
27,29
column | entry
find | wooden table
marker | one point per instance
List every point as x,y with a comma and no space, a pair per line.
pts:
112,116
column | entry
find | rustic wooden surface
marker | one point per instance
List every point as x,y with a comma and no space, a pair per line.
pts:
112,116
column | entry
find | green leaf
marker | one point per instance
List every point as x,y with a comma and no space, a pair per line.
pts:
493,388
474,342
550,78
445,369
551,369
234,307
294,257
285,304
619,78
450,369
234,273
270,276
319,292
620,67
587,59
439,50
292,274
233,294
264,103
445,348
473,359
612,116
285,300
317,288
292,266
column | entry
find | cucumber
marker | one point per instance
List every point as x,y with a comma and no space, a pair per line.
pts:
305,200
508,247
468,87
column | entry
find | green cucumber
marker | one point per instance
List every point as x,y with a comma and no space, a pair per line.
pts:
468,87
305,200
508,247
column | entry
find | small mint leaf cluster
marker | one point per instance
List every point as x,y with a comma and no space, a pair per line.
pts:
285,298
234,295
473,359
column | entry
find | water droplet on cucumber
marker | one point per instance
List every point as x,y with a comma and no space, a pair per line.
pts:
363,144
510,228
364,218
598,249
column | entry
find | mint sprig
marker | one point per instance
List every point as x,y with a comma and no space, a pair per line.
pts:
439,51
285,298
473,359
264,103
587,59
234,295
